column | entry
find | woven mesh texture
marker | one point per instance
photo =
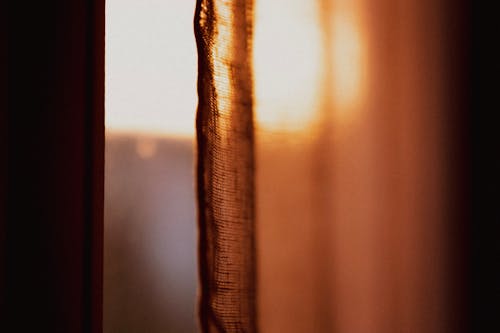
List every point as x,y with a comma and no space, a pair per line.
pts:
226,166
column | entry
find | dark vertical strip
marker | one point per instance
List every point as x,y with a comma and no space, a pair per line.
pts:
458,211
474,68
53,224
226,187
94,158
3,152
484,136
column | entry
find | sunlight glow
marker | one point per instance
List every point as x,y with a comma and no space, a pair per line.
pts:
347,60
151,64
151,67
287,60
222,54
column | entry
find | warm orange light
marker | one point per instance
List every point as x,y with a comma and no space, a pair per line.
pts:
287,64
347,60
151,65
222,55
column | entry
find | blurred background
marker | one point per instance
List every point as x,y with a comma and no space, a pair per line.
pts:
355,219
150,266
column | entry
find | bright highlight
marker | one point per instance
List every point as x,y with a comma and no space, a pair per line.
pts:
347,61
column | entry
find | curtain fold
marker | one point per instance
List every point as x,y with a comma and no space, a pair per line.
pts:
225,139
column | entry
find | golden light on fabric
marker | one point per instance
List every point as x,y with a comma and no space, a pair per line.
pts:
287,54
225,166
222,52
348,60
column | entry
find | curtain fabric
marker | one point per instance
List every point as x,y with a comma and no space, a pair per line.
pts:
226,188
53,158
52,168
354,214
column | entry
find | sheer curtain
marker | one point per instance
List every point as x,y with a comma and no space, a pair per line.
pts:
331,209
226,166
360,196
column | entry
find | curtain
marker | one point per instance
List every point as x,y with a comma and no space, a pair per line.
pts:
52,158
226,188
380,216
356,220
